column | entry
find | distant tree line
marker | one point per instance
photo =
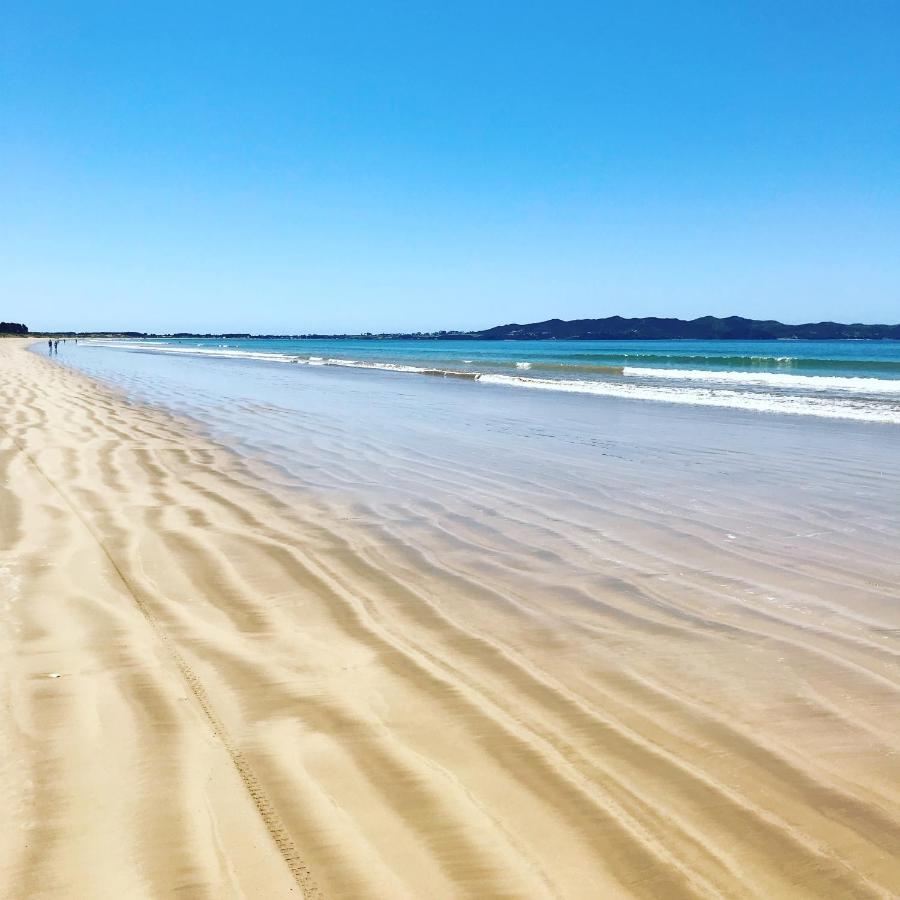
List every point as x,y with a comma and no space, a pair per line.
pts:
13,328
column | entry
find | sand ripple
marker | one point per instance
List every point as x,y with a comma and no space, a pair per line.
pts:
263,694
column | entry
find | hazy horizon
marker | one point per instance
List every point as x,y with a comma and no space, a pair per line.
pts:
449,329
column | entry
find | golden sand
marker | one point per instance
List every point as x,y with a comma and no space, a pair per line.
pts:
211,691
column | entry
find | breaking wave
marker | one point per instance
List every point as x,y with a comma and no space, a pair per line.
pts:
860,398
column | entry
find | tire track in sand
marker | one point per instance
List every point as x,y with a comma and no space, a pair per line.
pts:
269,816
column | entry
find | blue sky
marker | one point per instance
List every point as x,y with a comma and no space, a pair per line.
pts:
380,166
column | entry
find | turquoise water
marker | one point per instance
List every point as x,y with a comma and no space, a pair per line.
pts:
879,359
835,379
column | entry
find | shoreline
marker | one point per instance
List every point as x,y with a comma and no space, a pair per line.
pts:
862,390
87,730
217,686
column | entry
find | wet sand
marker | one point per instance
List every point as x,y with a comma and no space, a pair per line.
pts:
216,684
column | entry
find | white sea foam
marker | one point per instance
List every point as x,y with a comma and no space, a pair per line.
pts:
523,365
271,356
220,352
387,367
830,408
773,379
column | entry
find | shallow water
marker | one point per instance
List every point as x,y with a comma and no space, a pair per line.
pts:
374,432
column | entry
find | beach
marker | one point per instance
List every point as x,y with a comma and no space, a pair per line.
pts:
288,632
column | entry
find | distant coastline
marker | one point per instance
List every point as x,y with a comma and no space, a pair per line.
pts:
612,328
734,328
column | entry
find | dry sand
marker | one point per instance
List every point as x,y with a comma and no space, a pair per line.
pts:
210,691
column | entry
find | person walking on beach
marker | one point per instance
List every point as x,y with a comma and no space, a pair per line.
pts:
49,347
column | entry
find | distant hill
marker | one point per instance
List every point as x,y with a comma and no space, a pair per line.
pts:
616,328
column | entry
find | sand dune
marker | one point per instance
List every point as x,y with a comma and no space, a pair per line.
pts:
215,687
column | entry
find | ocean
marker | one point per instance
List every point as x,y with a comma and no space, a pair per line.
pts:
857,380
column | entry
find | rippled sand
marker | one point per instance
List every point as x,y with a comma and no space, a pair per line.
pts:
217,685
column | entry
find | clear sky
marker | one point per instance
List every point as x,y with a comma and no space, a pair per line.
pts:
379,166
